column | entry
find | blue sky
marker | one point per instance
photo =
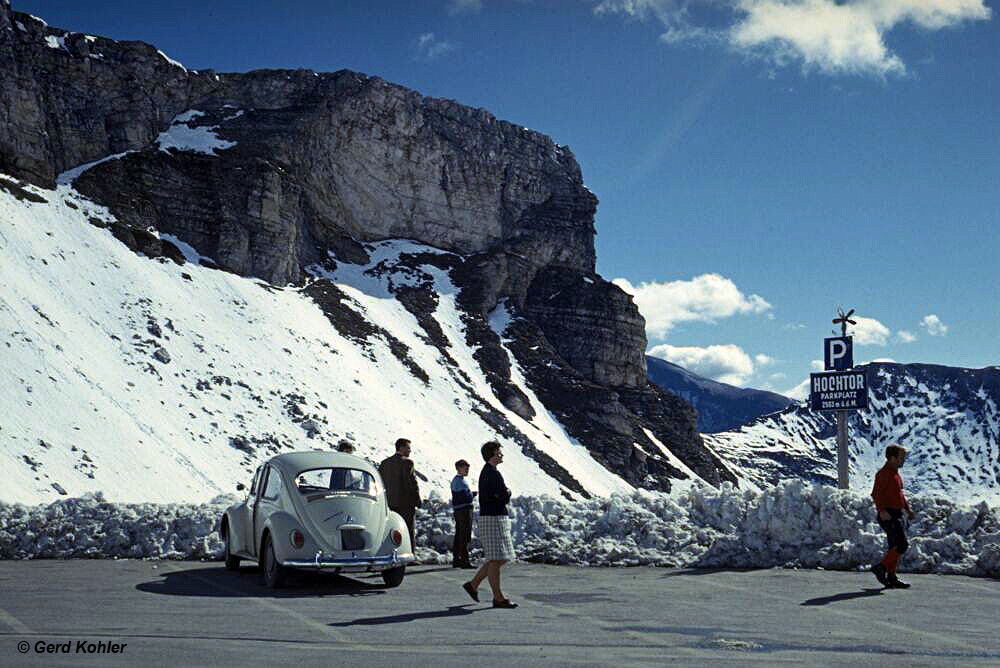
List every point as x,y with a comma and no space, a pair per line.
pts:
759,162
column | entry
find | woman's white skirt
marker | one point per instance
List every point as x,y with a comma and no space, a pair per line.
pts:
494,534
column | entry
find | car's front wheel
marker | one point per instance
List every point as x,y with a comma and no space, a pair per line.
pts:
274,573
232,561
394,576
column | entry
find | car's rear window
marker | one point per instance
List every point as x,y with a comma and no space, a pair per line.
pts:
336,480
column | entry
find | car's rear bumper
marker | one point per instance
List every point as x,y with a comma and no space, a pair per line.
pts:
377,563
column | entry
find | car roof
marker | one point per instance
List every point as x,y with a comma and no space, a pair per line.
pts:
292,463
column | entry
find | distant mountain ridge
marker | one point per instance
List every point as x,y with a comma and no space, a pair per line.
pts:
719,406
947,417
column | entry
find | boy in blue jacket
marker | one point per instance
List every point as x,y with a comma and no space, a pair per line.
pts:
461,504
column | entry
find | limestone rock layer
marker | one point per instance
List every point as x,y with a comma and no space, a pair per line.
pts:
273,171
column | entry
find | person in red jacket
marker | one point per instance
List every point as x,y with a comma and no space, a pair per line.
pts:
890,502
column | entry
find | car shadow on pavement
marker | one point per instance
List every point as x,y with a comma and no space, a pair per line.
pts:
411,571
846,596
218,582
452,611
708,571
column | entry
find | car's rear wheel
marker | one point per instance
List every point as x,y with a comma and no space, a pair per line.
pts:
232,561
394,576
274,573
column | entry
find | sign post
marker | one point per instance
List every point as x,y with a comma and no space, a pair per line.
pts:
840,389
843,474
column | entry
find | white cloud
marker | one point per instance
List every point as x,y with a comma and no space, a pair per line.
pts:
760,359
868,332
793,326
778,376
429,47
830,36
800,392
933,325
704,298
725,363
904,336
675,15
464,6
882,359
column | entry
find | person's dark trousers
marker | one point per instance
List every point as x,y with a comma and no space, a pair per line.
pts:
408,517
463,536
895,534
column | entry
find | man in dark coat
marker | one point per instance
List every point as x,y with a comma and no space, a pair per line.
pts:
401,487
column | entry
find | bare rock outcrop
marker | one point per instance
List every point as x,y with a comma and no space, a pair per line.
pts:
316,156
68,98
271,172
593,324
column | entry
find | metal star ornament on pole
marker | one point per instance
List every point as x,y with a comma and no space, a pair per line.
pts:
842,319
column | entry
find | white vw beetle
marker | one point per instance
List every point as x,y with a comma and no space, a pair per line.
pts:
317,510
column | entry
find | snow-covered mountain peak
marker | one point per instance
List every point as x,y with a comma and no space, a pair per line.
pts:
946,416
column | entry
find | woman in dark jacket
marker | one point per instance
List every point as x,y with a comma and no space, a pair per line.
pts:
494,527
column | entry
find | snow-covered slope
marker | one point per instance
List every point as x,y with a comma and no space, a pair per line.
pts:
149,380
947,417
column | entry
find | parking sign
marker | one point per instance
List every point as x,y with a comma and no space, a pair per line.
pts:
838,353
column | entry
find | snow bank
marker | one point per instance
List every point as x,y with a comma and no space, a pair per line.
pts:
171,60
69,175
791,525
54,42
92,527
182,136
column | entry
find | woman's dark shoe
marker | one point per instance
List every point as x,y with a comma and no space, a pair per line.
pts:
506,603
467,586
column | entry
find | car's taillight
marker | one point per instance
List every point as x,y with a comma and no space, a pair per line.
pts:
397,538
298,540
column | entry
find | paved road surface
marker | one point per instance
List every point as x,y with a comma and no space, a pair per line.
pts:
198,614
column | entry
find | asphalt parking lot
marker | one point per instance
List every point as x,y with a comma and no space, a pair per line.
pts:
110,613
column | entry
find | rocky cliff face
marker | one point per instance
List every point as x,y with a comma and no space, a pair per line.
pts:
270,173
580,313
315,156
68,98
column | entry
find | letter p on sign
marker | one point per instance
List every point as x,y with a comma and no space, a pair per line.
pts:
838,353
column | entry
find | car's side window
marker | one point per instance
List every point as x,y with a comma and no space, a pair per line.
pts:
256,479
261,481
273,486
